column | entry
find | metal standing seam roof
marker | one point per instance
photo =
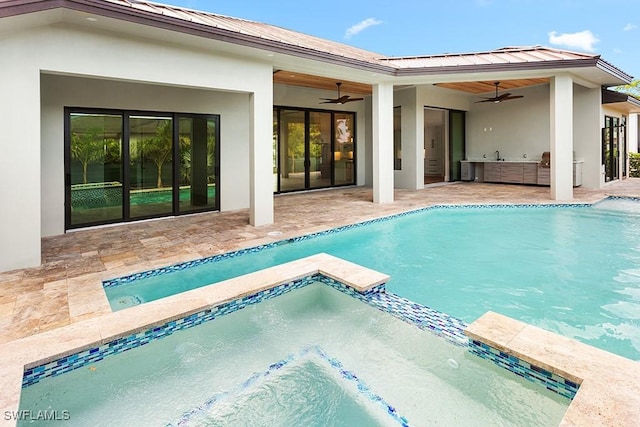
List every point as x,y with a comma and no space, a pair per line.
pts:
510,55
253,28
277,39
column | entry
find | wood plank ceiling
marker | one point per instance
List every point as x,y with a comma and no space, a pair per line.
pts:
489,85
317,82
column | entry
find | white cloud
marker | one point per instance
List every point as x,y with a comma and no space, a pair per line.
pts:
617,51
630,27
360,26
583,40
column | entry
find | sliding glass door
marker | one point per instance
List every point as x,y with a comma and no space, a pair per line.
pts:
313,149
150,166
198,164
319,150
123,166
292,151
343,149
94,173
610,152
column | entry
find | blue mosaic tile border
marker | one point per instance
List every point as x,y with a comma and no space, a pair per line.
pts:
118,281
315,350
120,345
423,317
551,381
630,198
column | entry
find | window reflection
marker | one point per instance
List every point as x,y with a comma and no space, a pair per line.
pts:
95,172
151,163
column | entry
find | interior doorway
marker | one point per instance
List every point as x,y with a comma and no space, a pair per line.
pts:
434,145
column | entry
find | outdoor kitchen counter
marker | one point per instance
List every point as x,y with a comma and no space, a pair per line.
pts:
517,171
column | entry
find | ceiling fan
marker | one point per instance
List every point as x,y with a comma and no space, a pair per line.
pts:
340,99
504,97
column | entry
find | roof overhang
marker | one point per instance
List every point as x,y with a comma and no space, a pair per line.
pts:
106,9
312,55
620,101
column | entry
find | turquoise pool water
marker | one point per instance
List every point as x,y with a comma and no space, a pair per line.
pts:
571,270
311,357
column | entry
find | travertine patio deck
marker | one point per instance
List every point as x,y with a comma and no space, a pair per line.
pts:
66,288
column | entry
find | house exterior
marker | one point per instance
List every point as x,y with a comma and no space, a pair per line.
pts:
116,111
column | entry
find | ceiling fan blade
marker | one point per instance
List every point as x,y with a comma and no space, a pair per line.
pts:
513,97
503,96
340,99
487,100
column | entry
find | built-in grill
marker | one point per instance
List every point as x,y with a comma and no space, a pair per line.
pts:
545,161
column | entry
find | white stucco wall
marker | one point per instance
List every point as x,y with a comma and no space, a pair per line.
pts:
19,157
634,133
411,176
111,57
515,128
587,122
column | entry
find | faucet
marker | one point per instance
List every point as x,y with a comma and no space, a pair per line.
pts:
497,155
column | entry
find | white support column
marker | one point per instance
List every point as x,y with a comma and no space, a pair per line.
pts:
260,157
561,99
19,165
382,143
632,128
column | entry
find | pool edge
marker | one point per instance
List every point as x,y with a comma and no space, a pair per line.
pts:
609,393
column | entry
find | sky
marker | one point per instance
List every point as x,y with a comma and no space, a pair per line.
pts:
610,28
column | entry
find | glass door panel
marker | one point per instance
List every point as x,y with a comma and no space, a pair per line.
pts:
198,163
456,144
320,154
151,166
94,171
292,150
344,148
276,189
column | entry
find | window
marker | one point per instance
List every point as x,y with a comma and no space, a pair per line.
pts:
122,166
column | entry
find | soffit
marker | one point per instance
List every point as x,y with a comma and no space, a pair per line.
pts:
318,82
620,101
489,85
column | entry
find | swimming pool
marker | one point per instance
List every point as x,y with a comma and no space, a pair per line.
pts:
571,269
309,357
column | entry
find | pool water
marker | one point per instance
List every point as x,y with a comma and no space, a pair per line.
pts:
570,270
312,357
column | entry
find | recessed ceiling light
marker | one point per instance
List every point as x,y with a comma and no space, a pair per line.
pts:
91,19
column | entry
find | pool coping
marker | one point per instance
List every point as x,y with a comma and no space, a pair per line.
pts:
42,348
609,391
